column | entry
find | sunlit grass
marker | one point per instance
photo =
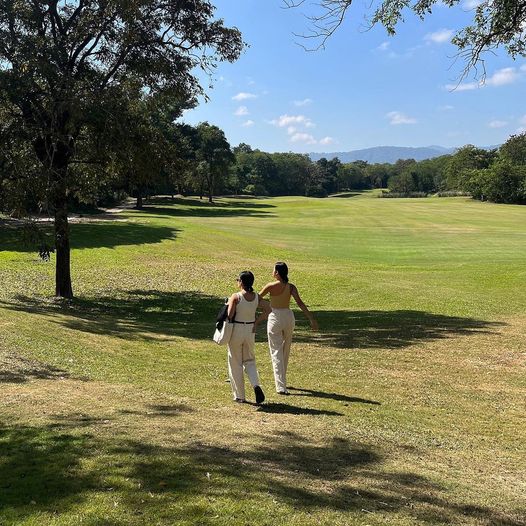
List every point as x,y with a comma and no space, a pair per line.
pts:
408,406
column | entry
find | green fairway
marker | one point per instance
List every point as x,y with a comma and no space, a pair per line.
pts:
406,408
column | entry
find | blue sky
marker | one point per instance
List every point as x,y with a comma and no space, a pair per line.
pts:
364,89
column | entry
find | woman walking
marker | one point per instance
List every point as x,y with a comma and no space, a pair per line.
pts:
242,307
281,322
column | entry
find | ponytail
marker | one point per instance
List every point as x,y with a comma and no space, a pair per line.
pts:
247,280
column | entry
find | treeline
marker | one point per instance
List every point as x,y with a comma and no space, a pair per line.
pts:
497,175
147,153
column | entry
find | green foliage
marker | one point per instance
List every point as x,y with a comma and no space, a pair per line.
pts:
460,164
67,72
213,155
514,149
502,182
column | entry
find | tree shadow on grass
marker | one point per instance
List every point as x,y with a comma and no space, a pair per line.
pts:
48,470
390,329
152,314
346,195
16,369
136,315
195,208
99,234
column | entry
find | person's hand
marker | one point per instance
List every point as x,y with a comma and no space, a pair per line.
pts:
254,328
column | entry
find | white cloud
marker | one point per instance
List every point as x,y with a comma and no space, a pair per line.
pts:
497,124
463,87
502,77
523,67
306,138
289,120
304,102
439,37
384,46
327,140
291,130
244,96
397,117
242,110
471,4
248,124
446,107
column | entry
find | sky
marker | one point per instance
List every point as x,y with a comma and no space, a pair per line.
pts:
364,89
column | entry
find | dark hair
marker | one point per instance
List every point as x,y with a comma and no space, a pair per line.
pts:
247,279
283,271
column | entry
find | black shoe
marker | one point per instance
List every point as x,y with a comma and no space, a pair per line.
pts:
260,395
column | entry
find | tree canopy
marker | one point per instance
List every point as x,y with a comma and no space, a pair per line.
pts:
65,72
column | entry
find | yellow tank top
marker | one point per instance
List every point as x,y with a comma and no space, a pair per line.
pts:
281,301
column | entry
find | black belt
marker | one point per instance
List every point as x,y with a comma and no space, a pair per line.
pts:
244,322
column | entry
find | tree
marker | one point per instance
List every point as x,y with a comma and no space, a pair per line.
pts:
514,149
495,23
61,61
214,156
467,158
403,183
502,182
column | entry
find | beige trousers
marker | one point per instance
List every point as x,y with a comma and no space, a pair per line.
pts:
280,327
241,357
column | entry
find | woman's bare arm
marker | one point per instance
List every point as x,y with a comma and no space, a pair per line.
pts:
266,289
232,303
264,305
296,295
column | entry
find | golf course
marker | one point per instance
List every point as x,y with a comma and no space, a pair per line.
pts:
407,407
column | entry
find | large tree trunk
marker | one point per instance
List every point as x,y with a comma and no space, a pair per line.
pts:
63,286
139,200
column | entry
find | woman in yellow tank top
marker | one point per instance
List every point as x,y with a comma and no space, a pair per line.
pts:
280,325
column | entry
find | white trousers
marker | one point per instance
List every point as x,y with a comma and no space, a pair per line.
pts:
280,327
241,357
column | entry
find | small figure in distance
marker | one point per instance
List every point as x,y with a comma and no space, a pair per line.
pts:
281,322
242,307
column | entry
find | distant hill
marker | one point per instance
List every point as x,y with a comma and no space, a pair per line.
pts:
386,154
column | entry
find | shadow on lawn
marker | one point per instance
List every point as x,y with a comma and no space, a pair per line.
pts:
150,314
100,234
16,369
332,396
134,482
390,329
196,208
141,314
346,195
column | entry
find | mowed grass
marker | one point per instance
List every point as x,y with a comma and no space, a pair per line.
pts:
406,408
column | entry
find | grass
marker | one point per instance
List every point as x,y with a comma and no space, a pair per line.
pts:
407,408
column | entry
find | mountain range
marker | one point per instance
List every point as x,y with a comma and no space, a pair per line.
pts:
388,154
